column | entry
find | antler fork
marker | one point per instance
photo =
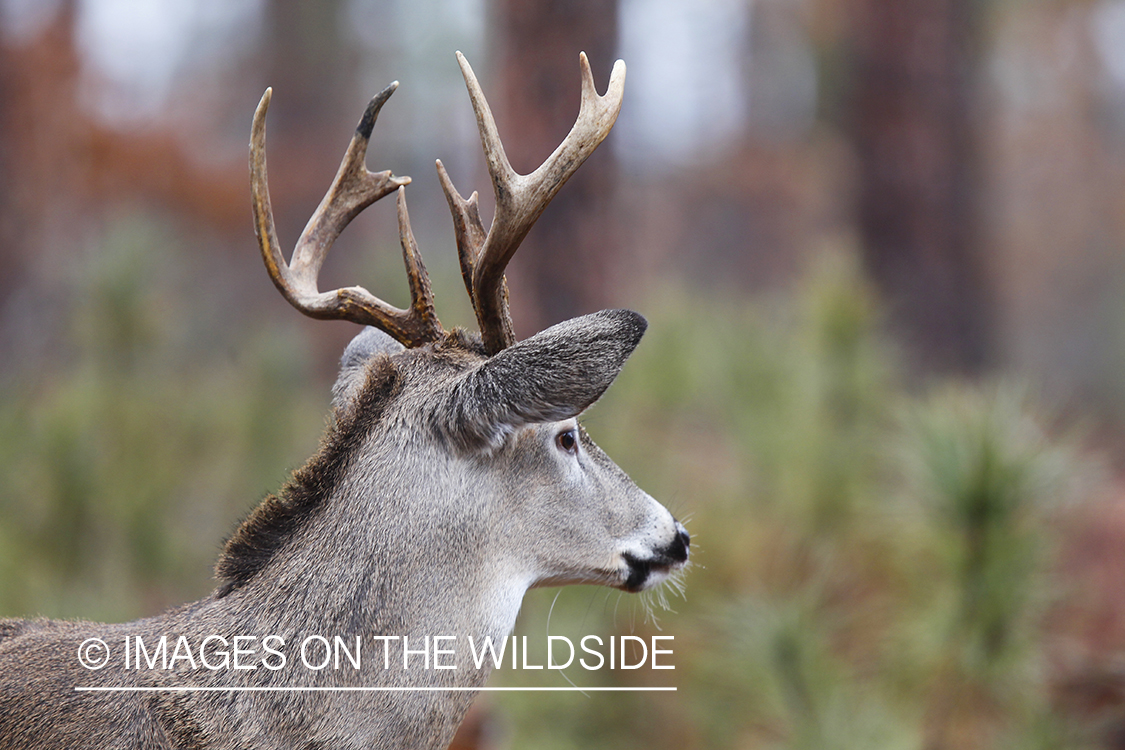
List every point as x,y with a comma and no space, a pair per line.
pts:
520,199
353,189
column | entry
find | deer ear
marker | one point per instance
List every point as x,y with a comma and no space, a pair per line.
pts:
353,365
554,375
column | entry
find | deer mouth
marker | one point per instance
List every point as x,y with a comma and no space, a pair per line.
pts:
649,572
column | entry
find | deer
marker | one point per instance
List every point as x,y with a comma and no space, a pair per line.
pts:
453,477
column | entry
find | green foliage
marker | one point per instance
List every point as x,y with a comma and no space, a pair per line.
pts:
133,455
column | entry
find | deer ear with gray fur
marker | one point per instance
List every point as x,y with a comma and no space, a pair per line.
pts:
353,365
554,375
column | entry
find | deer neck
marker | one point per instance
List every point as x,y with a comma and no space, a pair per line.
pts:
372,564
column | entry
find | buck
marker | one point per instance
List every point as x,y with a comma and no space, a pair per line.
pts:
453,477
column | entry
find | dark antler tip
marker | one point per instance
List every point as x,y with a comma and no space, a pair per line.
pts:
367,122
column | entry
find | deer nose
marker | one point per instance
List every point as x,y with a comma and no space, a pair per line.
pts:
679,548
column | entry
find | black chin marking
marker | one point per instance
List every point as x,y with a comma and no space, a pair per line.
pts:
665,560
638,573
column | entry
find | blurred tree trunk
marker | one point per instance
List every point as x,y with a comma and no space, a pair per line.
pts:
911,117
13,227
561,270
40,134
312,69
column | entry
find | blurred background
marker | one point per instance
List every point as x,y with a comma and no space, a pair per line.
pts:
879,245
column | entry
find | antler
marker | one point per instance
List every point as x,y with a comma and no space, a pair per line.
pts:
520,199
353,189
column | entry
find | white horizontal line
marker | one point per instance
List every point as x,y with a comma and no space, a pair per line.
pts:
297,689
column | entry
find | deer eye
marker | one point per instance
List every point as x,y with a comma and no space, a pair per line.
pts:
567,440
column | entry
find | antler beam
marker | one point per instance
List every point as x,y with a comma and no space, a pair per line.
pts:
520,199
354,189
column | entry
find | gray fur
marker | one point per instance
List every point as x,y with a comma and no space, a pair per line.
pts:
394,528
360,350
554,375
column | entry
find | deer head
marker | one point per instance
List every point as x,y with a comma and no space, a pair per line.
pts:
491,406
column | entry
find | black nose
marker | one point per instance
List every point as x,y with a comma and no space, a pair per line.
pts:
679,548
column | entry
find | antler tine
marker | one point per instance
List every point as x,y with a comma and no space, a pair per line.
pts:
470,235
421,295
520,199
353,189
467,227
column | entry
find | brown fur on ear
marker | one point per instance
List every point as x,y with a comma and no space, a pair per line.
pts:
367,344
554,375
279,517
